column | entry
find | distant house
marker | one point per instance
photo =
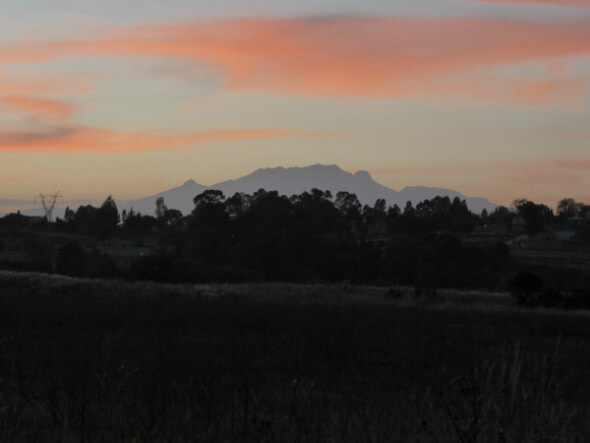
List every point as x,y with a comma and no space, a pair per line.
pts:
565,235
122,256
578,221
520,241
33,219
116,252
494,228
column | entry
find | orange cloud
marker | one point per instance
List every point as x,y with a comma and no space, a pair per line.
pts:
391,57
46,83
38,106
104,141
575,3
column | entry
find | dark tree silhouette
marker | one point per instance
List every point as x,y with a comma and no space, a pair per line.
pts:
69,215
108,216
161,208
568,207
535,216
525,287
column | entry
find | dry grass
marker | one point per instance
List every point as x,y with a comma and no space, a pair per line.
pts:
93,360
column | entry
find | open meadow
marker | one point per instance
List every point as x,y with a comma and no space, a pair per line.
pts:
108,360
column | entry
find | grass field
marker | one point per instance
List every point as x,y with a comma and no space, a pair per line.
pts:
99,360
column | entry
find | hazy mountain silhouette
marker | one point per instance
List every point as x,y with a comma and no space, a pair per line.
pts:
176,198
289,181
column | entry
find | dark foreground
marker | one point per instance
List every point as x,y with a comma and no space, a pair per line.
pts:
113,361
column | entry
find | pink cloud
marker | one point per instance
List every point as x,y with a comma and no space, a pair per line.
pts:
574,3
385,57
105,141
38,106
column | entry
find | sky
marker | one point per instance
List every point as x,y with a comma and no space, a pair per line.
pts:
132,97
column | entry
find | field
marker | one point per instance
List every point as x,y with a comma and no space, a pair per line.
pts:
102,360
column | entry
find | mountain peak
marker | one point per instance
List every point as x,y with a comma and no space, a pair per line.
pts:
363,175
322,166
296,180
268,170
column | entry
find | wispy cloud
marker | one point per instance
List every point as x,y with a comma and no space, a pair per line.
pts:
92,140
574,3
38,106
354,56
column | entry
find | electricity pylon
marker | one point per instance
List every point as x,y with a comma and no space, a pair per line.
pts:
48,202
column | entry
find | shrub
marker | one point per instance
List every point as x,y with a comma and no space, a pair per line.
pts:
394,294
70,259
550,298
577,299
524,288
427,291
430,292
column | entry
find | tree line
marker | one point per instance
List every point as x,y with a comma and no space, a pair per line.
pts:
313,236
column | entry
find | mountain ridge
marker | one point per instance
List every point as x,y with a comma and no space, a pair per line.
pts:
298,179
285,180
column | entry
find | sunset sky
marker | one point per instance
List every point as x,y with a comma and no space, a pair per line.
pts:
132,97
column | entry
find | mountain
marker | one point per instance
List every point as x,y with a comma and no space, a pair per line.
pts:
176,198
289,181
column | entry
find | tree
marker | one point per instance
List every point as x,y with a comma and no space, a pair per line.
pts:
161,208
502,216
86,219
568,207
349,205
108,216
69,215
379,207
459,207
209,208
208,197
237,205
136,223
394,211
375,219
172,217
14,220
535,216
409,209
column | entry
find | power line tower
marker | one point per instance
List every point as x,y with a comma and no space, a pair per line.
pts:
48,201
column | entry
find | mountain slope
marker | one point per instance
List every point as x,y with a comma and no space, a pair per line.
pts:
289,181
180,198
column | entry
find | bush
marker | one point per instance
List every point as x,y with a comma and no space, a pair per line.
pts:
524,288
394,294
577,299
72,259
550,298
